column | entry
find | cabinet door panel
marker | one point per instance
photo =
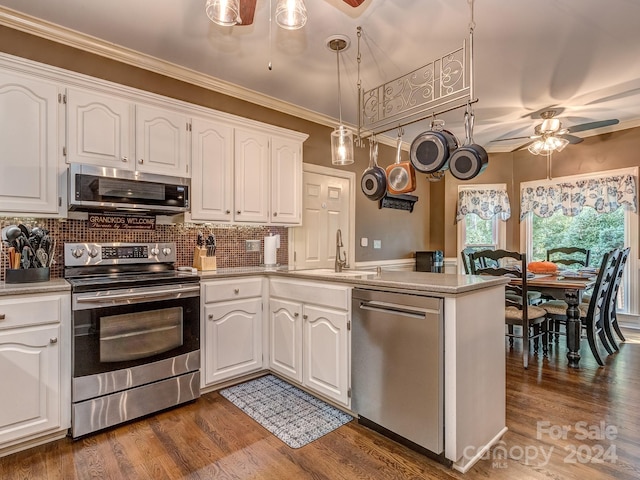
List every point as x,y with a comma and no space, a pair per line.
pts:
286,181
161,141
233,339
30,372
286,338
251,177
212,171
29,145
98,130
326,352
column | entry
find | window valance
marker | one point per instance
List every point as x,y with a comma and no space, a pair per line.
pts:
484,202
604,194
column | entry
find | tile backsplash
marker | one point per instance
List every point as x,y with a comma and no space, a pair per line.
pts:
230,240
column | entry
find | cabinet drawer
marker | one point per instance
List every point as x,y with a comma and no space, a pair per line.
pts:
317,293
216,291
26,310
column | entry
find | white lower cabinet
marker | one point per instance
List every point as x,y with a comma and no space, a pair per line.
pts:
309,325
232,329
35,367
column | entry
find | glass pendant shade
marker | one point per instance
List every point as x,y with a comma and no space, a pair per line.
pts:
549,144
341,146
223,12
291,14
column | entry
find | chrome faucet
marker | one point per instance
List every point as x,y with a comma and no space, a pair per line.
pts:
340,263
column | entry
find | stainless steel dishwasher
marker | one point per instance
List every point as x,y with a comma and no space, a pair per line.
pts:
397,366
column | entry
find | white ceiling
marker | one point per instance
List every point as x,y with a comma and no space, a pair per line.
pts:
578,55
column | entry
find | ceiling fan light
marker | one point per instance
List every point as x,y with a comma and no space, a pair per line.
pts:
223,12
536,147
560,143
342,146
291,14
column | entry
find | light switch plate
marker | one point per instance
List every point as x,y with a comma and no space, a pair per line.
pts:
377,244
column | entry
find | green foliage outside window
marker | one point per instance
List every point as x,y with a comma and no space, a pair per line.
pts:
599,233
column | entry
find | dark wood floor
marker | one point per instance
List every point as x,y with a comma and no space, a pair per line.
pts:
211,438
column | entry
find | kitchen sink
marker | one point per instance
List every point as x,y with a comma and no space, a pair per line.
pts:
329,272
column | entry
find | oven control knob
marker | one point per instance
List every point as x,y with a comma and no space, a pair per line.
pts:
93,253
155,251
166,251
77,252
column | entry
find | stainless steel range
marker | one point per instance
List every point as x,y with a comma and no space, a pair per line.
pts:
136,332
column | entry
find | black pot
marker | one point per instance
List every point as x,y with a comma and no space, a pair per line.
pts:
374,179
470,160
430,151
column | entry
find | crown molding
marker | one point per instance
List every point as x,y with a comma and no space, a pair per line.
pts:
71,38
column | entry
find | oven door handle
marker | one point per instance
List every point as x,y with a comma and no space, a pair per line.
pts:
145,296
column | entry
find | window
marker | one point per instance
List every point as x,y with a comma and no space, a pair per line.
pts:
475,202
564,217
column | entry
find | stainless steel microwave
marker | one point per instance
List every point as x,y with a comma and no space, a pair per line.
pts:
94,188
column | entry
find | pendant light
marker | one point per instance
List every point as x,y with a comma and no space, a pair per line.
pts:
291,14
223,12
341,137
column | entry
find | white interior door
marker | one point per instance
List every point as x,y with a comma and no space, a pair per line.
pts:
327,205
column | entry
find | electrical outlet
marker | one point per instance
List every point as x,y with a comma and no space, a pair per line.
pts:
252,246
364,242
377,244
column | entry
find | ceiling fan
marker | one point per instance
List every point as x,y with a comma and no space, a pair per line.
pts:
248,9
551,133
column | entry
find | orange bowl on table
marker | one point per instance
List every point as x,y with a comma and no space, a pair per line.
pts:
542,267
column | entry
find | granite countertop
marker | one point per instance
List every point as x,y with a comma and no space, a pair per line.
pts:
405,281
52,286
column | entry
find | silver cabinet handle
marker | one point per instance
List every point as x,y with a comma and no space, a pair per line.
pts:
125,159
141,161
53,340
236,291
2,316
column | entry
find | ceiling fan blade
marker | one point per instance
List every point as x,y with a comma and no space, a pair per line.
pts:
591,125
353,3
572,138
247,10
524,145
530,137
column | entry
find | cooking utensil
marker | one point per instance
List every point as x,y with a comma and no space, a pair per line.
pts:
11,233
25,230
42,257
374,179
430,151
27,257
471,159
401,176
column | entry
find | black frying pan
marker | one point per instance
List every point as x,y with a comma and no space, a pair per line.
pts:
374,178
430,151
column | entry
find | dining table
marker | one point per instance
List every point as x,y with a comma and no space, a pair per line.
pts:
569,289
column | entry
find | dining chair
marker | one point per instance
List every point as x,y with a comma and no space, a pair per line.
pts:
517,313
569,256
466,261
593,314
610,317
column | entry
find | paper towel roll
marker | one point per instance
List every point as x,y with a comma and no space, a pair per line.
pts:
271,244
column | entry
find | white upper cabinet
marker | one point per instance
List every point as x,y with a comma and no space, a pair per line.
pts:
29,127
212,166
161,141
251,194
98,130
101,131
286,181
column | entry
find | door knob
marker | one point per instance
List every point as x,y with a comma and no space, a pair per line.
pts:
53,340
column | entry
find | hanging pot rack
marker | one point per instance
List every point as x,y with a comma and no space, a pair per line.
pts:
442,85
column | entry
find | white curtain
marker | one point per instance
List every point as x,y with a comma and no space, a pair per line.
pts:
604,194
484,202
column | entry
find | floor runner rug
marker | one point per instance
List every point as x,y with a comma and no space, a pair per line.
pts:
292,415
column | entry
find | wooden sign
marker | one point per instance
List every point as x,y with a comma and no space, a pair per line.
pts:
115,221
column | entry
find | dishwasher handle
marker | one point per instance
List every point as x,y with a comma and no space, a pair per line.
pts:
391,308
